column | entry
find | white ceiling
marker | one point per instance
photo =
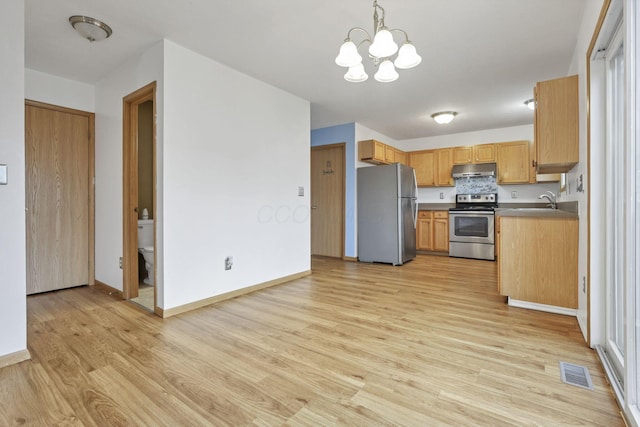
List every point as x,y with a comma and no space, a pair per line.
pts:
481,58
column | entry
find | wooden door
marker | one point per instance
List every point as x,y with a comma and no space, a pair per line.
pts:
444,160
424,231
513,162
327,200
424,164
59,197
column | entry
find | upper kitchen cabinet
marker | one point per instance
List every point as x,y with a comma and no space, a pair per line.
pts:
372,151
512,161
483,153
378,153
424,163
462,155
444,159
401,157
556,125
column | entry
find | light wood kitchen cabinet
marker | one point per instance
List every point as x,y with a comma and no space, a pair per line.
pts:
424,163
389,154
424,231
484,153
538,260
534,176
441,231
432,231
556,125
513,162
372,151
462,155
378,153
444,158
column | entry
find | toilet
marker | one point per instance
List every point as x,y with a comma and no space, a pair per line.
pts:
146,247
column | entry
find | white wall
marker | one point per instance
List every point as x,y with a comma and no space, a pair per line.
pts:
236,151
13,310
524,193
58,91
578,66
109,92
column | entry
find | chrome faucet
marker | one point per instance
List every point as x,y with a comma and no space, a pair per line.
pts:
551,197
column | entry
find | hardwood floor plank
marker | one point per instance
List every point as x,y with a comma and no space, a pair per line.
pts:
427,343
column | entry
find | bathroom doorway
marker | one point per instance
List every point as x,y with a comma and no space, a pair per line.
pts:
139,195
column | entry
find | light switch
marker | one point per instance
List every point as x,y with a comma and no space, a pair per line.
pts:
3,174
301,191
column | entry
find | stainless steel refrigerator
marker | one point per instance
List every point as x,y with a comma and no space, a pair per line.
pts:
387,213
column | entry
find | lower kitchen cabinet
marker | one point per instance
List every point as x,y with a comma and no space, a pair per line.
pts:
538,260
432,231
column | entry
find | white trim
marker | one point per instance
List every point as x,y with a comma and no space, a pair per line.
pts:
542,307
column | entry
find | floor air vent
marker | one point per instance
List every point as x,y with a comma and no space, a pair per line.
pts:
575,375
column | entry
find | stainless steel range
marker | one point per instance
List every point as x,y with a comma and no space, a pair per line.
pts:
472,225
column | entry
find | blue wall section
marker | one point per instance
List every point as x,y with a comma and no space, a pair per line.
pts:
334,135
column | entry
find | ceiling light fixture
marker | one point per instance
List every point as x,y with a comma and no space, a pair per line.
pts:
444,117
381,49
530,103
90,28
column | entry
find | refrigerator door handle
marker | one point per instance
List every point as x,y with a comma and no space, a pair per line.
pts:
415,199
415,184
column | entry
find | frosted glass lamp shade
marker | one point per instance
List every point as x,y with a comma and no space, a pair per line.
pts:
90,28
386,72
407,57
383,45
348,56
356,74
530,103
444,117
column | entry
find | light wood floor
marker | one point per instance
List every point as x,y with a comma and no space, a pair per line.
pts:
428,343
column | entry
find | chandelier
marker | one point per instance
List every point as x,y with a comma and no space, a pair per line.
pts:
381,49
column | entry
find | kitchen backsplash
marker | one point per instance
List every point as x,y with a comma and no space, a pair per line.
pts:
476,185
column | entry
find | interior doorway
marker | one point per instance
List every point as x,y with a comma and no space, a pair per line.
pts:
139,197
328,200
59,162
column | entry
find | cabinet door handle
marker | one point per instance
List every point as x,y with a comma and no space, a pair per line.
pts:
314,207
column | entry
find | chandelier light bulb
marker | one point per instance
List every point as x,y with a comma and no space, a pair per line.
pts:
383,45
407,57
356,74
348,56
386,72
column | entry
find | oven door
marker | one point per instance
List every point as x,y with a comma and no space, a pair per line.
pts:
471,227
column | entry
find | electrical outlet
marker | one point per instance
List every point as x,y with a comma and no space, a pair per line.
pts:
442,195
514,194
228,263
584,285
120,262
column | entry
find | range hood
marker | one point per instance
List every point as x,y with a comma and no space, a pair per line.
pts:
473,170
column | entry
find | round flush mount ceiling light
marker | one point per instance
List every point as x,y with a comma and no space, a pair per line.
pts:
444,117
90,28
530,103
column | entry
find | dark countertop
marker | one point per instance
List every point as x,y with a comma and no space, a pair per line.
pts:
435,206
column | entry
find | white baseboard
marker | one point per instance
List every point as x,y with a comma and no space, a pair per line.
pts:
543,307
13,358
